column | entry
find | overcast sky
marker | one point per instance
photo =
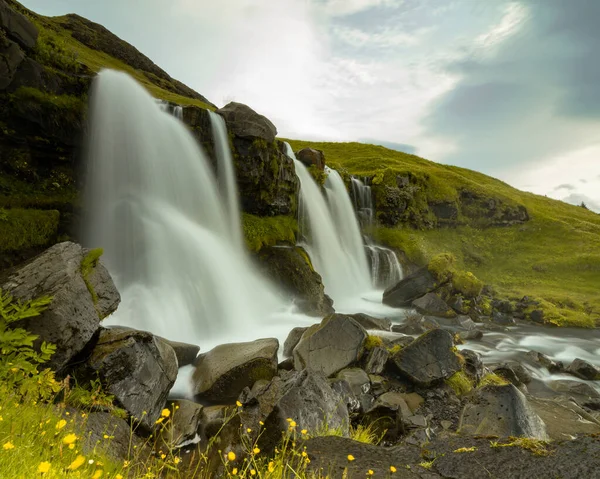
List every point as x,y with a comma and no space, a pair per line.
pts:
509,88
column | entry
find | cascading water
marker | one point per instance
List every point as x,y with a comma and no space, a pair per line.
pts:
332,245
153,205
385,267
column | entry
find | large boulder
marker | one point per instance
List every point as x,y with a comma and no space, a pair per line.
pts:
136,368
584,370
291,269
11,56
501,411
412,287
428,359
222,373
81,296
17,27
334,344
244,122
311,157
433,305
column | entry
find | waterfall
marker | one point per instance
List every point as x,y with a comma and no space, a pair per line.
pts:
385,267
332,244
153,204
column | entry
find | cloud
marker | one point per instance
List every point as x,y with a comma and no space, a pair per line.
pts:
565,186
578,199
340,8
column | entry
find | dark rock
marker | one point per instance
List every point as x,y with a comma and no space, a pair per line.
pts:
186,353
446,211
592,404
513,372
292,340
502,411
502,318
136,368
11,56
334,344
379,384
473,364
457,304
18,27
473,335
309,157
428,359
370,322
73,316
376,360
184,425
410,288
563,418
32,74
584,370
386,415
290,268
456,323
415,324
287,364
545,361
357,379
343,389
575,388
503,306
537,316
226,370
244,122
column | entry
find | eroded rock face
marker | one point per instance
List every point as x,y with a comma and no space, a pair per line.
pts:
311,157
74,314
244,122
428,359
502,411
136,368
222,373
290,269
334,344
410,288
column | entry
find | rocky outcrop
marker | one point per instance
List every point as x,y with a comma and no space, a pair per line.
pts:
81,297
311,157
334,344
428,359
223,372
502,411
17,27
410,288
290,268
136,368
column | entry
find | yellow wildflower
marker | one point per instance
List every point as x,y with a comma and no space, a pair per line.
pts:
97,474
259,422
370,472
165,413
78,462
238,404
256,450
304,454
162,456
234,472
71,446
304,432
8,446
118,476
350,457
159,420
293,424
392,469
271,466
44,467
69,439
248,430
252,472
176,460
60,424
231,456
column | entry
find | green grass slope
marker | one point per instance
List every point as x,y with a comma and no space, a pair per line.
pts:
554,257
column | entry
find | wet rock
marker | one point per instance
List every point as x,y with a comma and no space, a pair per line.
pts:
372,323
226,370
357,379
18,27
502,318
563,418
545,361
412,287
376,360
351,400
311,157
502,411
432,304
74,314
184,424
243,121
12,57
292,340
575,388
472,335
386,415
514,370
416,324
428,359
334,344
136,368
537,316
291,269
186,353
503,306
473,364
584,370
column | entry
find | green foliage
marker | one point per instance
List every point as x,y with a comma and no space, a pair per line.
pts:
58,104
460,383
268,231
465,283
19,361
492,379
88,263
318,175
441,267
373,342
91,397
21,229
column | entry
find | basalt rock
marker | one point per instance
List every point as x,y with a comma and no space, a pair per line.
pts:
79,302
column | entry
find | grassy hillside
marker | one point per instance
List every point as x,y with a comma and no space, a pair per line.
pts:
555,256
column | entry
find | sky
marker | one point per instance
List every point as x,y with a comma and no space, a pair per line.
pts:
508,88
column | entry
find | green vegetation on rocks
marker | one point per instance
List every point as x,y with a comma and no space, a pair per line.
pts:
268,231
460,383
22,229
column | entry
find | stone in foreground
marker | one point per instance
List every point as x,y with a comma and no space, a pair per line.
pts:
428,359
75,313
223,372
334,344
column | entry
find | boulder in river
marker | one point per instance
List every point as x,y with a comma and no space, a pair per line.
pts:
584,370
432,304
412,287
222,373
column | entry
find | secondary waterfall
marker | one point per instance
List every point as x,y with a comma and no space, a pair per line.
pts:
385,267
333,245
170,239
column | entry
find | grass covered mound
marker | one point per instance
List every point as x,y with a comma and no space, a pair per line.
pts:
554,257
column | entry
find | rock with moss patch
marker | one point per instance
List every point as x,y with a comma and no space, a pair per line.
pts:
74,315
432,304
311,157
223,372
429,359
334,344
